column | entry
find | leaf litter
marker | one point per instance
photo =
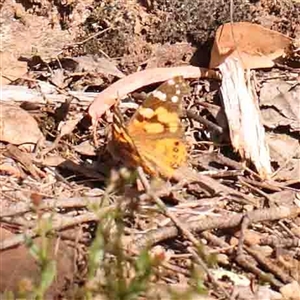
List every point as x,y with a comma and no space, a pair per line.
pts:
247,225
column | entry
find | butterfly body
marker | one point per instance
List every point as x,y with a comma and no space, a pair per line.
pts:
153,137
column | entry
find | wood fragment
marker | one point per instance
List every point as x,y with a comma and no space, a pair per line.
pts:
129,84
218,222
210,125
211,185
243,260
245,263
246,131
59,224
277,242
26,160
268,265
49,204
259,49
186,232
15,93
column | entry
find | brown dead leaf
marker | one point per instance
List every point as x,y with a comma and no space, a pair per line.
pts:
58,78
273,119
11,169
100,65
290,172
282,147
25,160
66,127
284,198
17,126
86,148
291,291
280,104
18,265
53,161
254,45
10,68
285,151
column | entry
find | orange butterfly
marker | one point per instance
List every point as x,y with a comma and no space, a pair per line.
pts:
153,137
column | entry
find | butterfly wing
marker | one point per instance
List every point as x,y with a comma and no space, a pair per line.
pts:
161,110
156,129
163,156
121,145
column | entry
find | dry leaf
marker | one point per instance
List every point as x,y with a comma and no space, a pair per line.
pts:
17,126
291,291
287,160
58,78
8,166
53,161
255,45
86,148
66,127
280,104
290,173
26,160
11,68
101,65
284,198
278,142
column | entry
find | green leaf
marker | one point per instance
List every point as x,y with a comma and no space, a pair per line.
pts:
47,276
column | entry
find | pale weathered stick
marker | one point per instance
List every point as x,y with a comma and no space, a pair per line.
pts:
246,131
124,86
216,222
47,93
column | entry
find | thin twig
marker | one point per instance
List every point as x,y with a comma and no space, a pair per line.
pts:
91,37
50,204
209,274
182,228
218,222
165,211
59,224
243,260
210,125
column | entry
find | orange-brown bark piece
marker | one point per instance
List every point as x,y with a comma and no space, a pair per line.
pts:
255,45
